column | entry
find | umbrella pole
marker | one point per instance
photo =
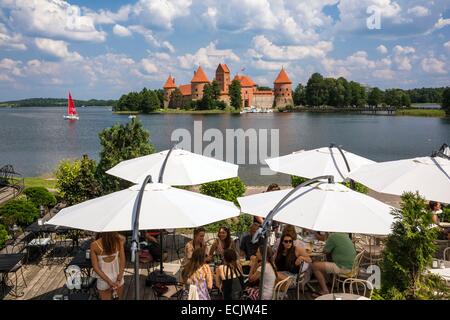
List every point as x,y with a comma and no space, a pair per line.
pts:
264,231
135,237
162,251
352,182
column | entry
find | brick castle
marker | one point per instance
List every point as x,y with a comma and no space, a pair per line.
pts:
281,95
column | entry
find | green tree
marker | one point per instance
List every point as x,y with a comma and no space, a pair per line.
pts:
20,212
406,101
228,189
176,99
375,97
215,90
299,95
445,104
409,251
40,196
207,101
119,143
316,93
3,235
160,96
76,180
358,94
235,95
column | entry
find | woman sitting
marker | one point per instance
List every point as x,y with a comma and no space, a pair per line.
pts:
229,277
289,257
197,272
108,262
196,243
222,243
290,230
270,275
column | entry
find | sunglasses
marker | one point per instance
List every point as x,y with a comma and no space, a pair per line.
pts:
287,241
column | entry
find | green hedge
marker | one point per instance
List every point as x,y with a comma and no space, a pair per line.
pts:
40,196
295,181
3,235
21,212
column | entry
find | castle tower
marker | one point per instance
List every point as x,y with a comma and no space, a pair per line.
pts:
223,78
282,88
198,83
169,87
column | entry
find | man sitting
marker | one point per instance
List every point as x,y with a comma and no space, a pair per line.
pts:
248,248
343,253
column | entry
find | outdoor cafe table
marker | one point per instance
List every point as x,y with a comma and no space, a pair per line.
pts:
443,272
7,264
341,296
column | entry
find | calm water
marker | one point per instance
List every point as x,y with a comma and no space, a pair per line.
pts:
33,140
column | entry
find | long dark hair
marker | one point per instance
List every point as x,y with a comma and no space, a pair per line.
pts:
110,242
290,254
227,239
195,263
230,260
196,232
269,257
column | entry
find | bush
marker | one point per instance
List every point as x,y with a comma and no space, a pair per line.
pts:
295,181
3,235
239,224
228,189
409,251
21,212
40,196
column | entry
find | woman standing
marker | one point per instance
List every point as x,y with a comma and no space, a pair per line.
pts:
108,262
198,273
229,277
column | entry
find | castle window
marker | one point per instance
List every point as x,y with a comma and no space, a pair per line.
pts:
280,89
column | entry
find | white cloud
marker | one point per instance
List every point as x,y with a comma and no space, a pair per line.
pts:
433,65
10,67
447,45
208,57
151,39
10,40
56,48
441,23
402,57
419,11
121,31
149,66
108,17
263,47
268,65
52,18
382,49
386,74
160,13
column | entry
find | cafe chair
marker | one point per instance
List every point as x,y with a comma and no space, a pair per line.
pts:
339,278
16,248
446,254
281,288
76,282
358,286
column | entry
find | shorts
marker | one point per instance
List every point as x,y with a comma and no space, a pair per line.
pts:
331,267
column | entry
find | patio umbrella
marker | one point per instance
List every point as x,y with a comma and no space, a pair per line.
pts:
163,207
182,168
318,162
430,176
323,206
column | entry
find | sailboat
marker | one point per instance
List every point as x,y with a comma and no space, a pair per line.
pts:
71,112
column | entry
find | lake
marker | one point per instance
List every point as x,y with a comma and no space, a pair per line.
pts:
34,140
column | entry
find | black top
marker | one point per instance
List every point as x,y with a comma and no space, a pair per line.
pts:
282,265
9,261
248,247
232,288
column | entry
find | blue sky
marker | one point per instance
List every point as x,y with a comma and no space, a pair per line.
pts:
102,49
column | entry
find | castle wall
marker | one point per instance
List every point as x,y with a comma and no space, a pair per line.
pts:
263,101
167,94
197,91
283,95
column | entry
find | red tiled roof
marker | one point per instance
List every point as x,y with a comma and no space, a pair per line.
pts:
282,77
185,89
224,67
245,81
199,76
170,83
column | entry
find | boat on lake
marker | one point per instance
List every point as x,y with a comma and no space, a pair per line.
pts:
71,111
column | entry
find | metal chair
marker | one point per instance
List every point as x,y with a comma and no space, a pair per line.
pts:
358,286
281,288
339,278
18,247
446,254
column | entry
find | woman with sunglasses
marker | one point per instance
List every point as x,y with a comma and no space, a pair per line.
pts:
222,243
290,257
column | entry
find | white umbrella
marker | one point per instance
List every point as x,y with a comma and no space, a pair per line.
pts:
430,176
318,162
163,207
323,206
182,168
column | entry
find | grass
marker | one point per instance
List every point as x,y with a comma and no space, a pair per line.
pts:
421,112
49,183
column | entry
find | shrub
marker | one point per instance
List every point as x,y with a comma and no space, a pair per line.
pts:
238,224
21,212
409,251
40,196
295,181
3,235
228,189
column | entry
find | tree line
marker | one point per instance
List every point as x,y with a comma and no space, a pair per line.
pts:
56,102
340,93
145,101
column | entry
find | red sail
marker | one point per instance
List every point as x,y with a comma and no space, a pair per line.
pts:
71,106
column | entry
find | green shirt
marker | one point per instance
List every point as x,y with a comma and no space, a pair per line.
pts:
342,250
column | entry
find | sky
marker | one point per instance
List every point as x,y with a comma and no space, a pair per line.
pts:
103,49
